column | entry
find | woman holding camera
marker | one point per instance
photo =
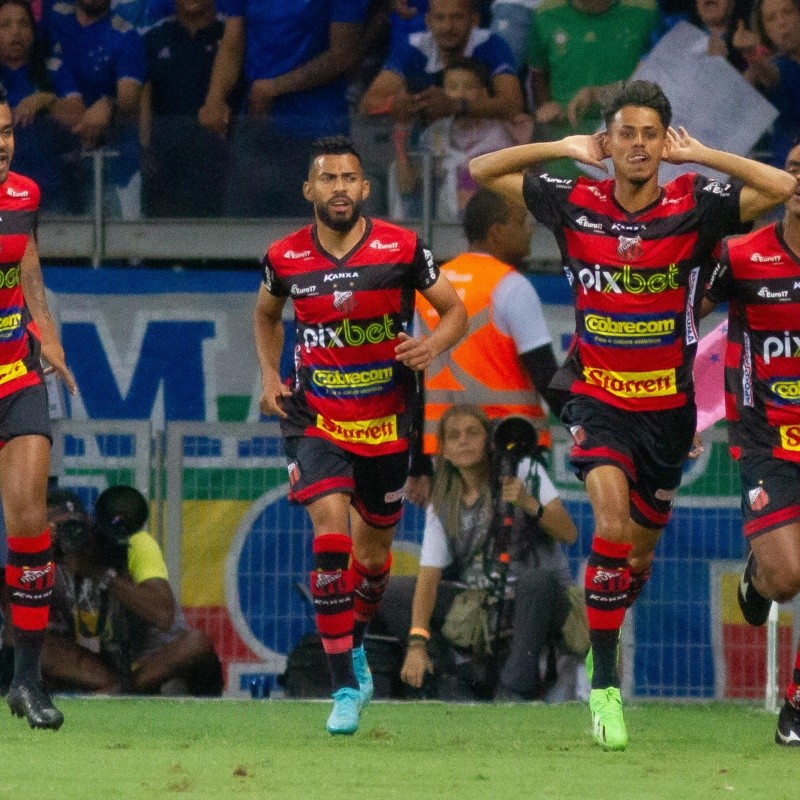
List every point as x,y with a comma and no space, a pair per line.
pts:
457,538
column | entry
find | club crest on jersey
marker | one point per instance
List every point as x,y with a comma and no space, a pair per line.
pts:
630,247
758,498
294,473
344,301
578,434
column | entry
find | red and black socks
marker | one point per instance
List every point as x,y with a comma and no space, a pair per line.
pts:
369,586
332,590
30,573
606,585
793,689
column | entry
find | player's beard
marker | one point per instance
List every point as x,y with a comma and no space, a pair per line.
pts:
339,224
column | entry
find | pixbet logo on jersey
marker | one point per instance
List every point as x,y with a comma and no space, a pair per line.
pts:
350,334
627,280
786,346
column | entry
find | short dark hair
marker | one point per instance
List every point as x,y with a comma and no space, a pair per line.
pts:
483,210
477,68
645,94
3,94
332,146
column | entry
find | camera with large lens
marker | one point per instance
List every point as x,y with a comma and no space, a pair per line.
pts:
120,512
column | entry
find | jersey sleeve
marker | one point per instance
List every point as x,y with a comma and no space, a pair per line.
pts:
497,56
131,62
424,269
61,76
517,312
354,11
231,8
272,283
547,491
435,547
720,287
545,196
400,59
145,560
719,206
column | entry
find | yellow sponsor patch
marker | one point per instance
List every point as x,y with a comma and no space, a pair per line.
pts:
790,437
607,325
363,431
659,383
10,371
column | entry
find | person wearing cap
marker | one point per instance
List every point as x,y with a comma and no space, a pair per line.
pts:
116,625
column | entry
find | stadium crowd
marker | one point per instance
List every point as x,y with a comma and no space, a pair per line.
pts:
209,109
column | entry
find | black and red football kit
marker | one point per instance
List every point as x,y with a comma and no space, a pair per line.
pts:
20,367
760,277
637,281
348,387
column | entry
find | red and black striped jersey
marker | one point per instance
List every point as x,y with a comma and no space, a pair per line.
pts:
348,386
19,337
760,277
637,281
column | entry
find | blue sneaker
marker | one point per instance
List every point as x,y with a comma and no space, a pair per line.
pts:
363,674
346,708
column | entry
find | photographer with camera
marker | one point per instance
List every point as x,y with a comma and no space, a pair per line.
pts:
495,525
115,624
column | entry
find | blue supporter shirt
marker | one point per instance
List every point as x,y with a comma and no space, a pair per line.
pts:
417,59
90,60
785,96
284,34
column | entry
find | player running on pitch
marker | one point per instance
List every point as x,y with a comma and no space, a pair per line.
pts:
346,418
637,256
759,275
28,334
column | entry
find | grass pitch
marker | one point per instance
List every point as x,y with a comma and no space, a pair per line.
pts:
151,749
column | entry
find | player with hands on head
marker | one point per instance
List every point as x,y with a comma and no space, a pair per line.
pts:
347,416
25,435
637,255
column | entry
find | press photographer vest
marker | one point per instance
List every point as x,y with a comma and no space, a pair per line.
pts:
484,368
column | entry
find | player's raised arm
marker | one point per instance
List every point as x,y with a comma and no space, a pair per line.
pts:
268,335
419,352
764,186
502,171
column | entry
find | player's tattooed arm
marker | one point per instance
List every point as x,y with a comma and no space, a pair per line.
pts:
36,301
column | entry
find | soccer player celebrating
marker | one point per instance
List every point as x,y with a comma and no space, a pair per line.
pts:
637,256
346,417
28,334
759,274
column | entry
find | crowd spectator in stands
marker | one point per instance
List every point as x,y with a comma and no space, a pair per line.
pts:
720,19
457,553
24,75
453,141
577,48
295,58
774,59
115,624
512,19
97,68
185,164
410,84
